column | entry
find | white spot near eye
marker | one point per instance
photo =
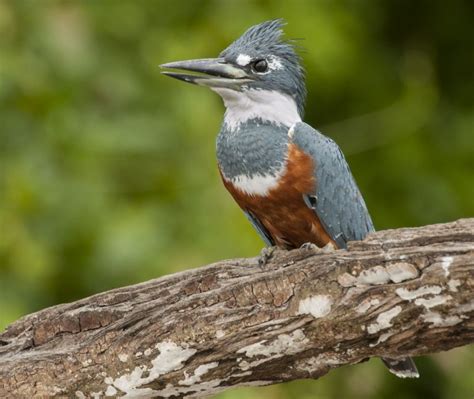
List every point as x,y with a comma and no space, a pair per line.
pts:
274,63
243,59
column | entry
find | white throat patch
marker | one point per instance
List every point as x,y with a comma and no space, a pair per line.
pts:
268,105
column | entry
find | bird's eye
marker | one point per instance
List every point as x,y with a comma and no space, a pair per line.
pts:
260,66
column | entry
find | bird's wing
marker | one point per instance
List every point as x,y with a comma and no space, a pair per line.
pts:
337,201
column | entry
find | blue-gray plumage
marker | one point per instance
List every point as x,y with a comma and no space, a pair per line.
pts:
259,147
293,183
338,201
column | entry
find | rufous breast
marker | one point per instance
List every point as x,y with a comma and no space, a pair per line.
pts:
282,210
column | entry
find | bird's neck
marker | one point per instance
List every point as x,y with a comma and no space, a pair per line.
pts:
266,105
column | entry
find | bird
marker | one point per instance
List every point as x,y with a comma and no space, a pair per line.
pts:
292,182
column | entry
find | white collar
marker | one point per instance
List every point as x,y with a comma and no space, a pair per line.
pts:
268,105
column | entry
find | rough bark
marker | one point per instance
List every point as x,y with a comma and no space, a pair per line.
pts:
399,292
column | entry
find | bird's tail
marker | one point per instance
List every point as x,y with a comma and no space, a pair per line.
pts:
403,368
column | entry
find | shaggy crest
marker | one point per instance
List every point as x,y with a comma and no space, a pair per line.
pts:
265,40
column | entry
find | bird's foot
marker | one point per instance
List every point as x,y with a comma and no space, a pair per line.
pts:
265,255
310,247
329,247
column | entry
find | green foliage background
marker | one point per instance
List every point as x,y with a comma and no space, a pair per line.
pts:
107,169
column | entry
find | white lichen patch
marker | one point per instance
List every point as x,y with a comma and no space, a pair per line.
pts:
123,357
198,373
374,276
284,344
245,365
148,352
465,308
315,363
108,380
171,357
383,337
110,391
366,304
243,374
399,272
409,295
432,302
384,320
317,306
130,383
446,262
437,320
346,280
377,275
453,285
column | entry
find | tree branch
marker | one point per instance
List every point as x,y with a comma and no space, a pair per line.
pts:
399,292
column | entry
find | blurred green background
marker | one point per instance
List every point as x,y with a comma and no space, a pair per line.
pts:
107,169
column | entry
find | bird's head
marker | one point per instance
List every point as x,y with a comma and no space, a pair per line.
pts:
259,69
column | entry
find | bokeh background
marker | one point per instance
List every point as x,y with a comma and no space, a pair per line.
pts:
107,168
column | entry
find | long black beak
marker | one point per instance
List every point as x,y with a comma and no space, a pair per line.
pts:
211,72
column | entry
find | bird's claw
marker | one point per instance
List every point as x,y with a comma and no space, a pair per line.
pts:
265,255
310,247
329,247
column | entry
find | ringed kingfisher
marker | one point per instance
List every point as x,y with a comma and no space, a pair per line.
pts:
293,183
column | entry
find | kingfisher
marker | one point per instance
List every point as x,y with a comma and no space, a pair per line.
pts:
292,182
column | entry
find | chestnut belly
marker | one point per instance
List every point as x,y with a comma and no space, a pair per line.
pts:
282,210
